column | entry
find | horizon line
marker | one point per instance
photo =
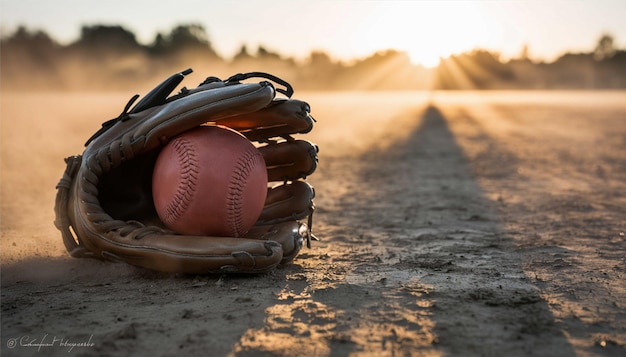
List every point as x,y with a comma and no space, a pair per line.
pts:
6,34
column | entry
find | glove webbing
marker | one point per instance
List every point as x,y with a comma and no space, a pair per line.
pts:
288,91
109,123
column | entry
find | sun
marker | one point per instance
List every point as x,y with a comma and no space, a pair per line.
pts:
427,31
428,55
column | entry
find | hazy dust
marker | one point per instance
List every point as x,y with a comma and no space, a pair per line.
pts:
465,223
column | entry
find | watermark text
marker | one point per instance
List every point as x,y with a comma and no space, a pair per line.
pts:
41,343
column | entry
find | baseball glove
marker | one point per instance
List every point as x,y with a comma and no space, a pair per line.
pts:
104,206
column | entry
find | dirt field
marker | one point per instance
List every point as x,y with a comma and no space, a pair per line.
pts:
452,224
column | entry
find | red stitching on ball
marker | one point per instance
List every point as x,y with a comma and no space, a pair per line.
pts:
244,166
186,154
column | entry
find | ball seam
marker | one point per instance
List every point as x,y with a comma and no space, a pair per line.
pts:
189,168
238,180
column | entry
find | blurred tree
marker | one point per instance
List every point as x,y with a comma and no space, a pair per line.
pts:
243,54
320,72
264,54
605,48
29,59
524,54
35,43
192,35
160,45
571,70
320,59
23,36
478,69
388,69
107,38
183,40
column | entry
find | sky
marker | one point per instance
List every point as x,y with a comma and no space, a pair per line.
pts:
345,29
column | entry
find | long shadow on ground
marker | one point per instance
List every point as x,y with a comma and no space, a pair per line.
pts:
417,262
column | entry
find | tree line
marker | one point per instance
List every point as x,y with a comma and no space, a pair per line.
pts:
109,57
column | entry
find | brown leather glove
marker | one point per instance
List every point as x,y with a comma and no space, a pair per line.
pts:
104,207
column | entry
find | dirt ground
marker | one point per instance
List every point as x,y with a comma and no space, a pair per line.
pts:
451,224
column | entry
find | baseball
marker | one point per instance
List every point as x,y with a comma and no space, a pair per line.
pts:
209,181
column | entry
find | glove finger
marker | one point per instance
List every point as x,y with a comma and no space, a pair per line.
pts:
289,160
290,235
282,117
290,201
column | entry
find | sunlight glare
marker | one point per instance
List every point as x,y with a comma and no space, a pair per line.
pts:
428,31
